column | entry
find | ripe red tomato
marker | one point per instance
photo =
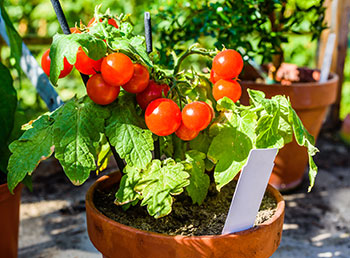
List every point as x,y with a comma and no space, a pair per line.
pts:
196,115
163,117
214,77
185,133
228,64
111,21
117,69
152,92
227,88
75,30
46,62
100,91
139,80
85,64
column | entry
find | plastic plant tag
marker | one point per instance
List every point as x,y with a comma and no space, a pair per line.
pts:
250,190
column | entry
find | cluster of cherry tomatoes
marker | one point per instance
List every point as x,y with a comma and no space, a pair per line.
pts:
162,115
227,65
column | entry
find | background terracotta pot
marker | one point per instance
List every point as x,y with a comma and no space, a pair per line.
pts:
113,239
310,101
9,221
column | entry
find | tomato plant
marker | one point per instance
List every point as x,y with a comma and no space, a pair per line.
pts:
117,69
163,117
162,110
111,21
227,88
101,92
46,62
153,91
138,81
85,64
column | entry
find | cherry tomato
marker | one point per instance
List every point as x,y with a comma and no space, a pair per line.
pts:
139,80
228,64
117,69
196,115
186,134
163,117
111,21
100,91
46,62
152,92
75,30
227,88
214,77
85,64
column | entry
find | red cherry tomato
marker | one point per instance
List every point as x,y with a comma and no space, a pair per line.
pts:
75,30
139,80
85,64
46,62
163,117
152,92
196,115
111,21
228,64
186,134
117,69
227,88
101,92
214,77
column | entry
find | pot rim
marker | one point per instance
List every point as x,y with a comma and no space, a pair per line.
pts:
333,79
89,202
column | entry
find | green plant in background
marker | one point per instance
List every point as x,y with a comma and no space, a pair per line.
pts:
259,29
11,117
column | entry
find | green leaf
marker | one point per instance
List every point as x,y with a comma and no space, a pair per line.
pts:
160,181
124,131
8,104
104,153
229,150
137,44
68,45
201,143
77,128
32,147
304,138
126,28
126,193
14,38
199,180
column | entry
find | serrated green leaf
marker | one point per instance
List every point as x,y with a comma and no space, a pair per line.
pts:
199,180
159,182
123,128
68,45
126,192
126,28
229,150
32,147
103,155
77,130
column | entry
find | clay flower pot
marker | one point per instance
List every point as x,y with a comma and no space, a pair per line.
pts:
113,239
9,221
310,101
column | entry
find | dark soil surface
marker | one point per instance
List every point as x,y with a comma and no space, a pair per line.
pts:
186,218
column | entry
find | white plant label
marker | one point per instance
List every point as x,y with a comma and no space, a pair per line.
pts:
327,60
250,190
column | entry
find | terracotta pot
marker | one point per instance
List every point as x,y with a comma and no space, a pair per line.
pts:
310,101
113,239
9,221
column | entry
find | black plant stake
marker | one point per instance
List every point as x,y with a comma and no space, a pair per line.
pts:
66,30
149,48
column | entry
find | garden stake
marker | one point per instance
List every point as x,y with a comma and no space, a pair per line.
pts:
149,47
66,30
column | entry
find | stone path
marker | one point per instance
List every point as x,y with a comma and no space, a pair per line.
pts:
317,224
